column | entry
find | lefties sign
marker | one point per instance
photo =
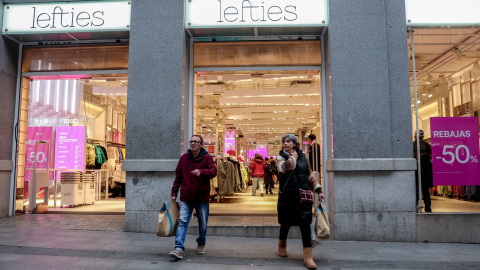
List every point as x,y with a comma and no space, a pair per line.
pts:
455,150
61,17
255,13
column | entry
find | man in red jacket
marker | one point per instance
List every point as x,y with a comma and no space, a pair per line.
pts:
194,171
257,167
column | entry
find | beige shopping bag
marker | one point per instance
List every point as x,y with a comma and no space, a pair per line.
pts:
168,219
322,226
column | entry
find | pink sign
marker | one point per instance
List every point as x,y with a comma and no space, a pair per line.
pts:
455,150
70,148
229,141
38,134
261,149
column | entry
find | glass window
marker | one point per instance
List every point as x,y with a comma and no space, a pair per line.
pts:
75,58
448,98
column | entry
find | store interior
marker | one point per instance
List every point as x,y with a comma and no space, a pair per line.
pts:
447,64
76,125
242,113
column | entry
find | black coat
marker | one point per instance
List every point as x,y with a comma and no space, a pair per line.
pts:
290,210
268,170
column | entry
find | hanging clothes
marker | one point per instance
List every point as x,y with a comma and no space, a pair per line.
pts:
90,155
101,158
120,154
225,176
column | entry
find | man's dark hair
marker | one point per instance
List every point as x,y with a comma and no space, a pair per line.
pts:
201,138
312,137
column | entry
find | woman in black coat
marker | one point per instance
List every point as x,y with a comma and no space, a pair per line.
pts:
294,174
268,178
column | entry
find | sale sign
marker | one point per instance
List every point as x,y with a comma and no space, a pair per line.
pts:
70,147
34,135
455,150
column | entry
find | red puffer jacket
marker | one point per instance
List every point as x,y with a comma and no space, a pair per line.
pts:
257,168
195,189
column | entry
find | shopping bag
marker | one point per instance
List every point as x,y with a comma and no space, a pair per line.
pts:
313,236
322,226
168,219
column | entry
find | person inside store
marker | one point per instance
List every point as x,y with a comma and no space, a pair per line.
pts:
314,152
275,171
268,179
295,200
257,168
426,169
193,173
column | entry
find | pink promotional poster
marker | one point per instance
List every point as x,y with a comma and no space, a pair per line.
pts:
455,150
70,148
261,149
38,134
229,141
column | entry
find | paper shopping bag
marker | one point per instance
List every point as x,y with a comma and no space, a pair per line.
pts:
168,219
322,226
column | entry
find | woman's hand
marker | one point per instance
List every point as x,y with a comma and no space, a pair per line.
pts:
321,196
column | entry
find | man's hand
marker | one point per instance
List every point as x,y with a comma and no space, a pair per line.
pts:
196,172
174,198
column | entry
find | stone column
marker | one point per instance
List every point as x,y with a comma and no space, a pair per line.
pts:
8,82
371,169
156,83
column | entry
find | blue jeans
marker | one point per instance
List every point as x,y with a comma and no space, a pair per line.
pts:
186,210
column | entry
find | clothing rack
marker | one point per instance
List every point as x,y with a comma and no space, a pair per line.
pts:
119,145
97,142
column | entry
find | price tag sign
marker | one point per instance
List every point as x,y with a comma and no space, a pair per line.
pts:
455,150
38,134
70,147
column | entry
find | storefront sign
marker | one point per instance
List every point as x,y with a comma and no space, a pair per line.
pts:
229,141
255,13
38,134
442,12
61,17
455,150
70,148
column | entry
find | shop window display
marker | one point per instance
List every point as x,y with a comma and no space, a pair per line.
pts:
448,91
73,127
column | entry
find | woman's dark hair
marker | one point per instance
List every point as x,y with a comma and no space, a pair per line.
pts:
200,137
293,139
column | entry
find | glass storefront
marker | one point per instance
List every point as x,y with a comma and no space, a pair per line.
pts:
447,64
72,129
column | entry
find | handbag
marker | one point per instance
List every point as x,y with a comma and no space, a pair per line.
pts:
306,196
322,226
168,219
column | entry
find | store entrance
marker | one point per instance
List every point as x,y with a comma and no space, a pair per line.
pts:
246,112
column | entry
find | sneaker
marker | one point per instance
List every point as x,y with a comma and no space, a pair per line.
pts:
200,249
177,254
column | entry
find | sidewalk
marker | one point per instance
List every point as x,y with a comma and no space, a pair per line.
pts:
32,242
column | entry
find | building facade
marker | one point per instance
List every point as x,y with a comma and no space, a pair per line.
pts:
366,117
